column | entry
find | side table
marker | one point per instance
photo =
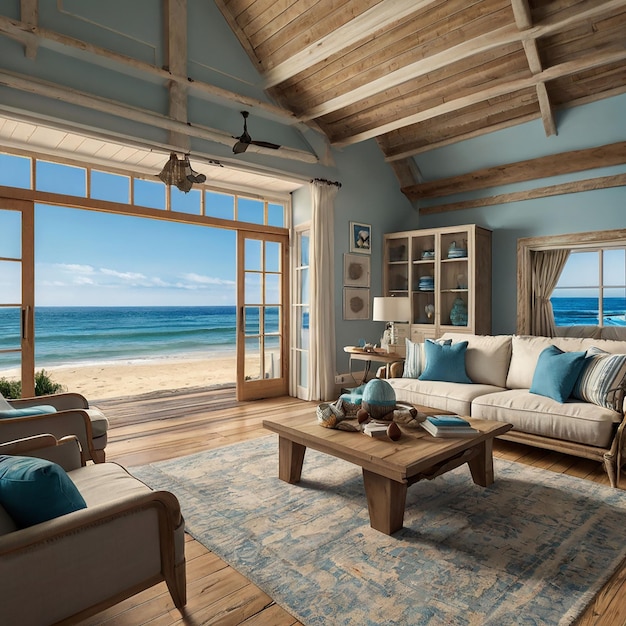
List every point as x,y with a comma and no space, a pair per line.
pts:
378,355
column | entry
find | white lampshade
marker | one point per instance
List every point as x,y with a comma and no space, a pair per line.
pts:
392,310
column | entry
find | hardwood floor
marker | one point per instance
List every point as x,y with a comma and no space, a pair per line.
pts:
155,427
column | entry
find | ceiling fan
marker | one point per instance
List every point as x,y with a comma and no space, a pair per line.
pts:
245,140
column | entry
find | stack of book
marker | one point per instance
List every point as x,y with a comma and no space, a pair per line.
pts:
375,429
448,426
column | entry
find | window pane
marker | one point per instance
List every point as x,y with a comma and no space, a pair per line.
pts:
10,234
614,268
15,171
272,256
59,178
303,369
149,193
186,202
614,307
10,282
275,214
304,286
249,210
581,270
252,321
111,187
304,249
219,205
272,320
303,326
252,369
10,335
272,289
272,358
252,253
579,308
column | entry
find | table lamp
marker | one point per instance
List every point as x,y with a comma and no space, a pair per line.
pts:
392,310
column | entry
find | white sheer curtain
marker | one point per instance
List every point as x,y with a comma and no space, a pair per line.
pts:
322,311
547,266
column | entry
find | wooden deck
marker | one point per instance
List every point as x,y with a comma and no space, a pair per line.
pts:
155,427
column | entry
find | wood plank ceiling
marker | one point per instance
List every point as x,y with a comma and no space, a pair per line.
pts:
419,74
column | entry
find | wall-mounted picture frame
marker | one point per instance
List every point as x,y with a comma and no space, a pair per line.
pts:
360,238
356,303
356,270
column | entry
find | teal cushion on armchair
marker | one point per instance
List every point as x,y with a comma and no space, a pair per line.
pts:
34,490
27,411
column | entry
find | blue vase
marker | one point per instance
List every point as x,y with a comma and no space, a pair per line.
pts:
458,313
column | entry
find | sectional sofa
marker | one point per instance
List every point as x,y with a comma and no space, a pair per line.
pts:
508,379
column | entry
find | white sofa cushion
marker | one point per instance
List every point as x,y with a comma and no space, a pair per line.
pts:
450,397
571,421
487,357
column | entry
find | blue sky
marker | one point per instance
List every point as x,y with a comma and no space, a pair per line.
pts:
85,258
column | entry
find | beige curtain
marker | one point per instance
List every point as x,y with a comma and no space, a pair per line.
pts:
547,266
322,312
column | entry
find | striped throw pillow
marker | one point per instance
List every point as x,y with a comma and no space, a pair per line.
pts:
602,379
412,360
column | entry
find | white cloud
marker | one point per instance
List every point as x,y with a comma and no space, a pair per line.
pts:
122,275
206,280
75,268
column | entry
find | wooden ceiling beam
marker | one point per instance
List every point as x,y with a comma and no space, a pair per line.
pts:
175,46
68,95
29,12
559,71
524,21
521,171
378,17
489,41
36,36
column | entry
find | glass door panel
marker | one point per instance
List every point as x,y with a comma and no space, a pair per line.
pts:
17,347
262,324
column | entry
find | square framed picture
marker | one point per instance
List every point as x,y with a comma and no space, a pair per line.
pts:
356,303
360,238
356,270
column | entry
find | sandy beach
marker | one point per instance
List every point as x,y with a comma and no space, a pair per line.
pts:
130,378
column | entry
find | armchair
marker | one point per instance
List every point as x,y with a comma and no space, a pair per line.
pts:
65,569
72,415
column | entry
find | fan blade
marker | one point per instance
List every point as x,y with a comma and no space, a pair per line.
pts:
266,144
240,147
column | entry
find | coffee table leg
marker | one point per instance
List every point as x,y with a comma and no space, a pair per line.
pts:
290,459
481,466
386,500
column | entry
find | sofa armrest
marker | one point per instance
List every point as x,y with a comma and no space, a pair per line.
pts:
65,452
72,422
60,401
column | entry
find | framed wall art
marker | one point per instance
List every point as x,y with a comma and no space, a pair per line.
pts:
360,237
356,303
356,270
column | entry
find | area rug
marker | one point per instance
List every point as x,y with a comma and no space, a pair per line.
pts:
534,548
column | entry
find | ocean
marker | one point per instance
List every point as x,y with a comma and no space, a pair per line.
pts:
85,335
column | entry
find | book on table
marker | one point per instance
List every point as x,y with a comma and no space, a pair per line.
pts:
448,426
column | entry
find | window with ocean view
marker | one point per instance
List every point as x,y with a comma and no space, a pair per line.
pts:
591,290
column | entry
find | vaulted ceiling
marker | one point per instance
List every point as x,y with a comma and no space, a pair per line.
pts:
418,74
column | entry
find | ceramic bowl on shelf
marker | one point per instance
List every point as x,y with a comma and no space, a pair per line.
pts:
428,255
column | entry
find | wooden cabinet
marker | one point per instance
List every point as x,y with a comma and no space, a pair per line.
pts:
446,273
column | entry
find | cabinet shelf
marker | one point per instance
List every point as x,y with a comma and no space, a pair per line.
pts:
465,277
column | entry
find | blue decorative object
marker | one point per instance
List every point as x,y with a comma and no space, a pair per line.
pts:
35,490
445,362
556,373
458,313
379,398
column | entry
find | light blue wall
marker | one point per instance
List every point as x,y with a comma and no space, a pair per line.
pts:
596,124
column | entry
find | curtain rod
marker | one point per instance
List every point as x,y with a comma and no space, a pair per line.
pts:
323,181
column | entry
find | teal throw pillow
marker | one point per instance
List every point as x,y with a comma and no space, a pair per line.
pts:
556,373
42,409
35,490
445,362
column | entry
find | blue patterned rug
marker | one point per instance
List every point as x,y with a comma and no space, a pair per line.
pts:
534,548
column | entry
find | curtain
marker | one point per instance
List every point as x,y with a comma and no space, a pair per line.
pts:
547,266
322,348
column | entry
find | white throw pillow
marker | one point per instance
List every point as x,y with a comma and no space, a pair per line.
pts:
412,360
601,379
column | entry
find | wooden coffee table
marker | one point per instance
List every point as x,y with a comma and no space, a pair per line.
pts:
389,467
